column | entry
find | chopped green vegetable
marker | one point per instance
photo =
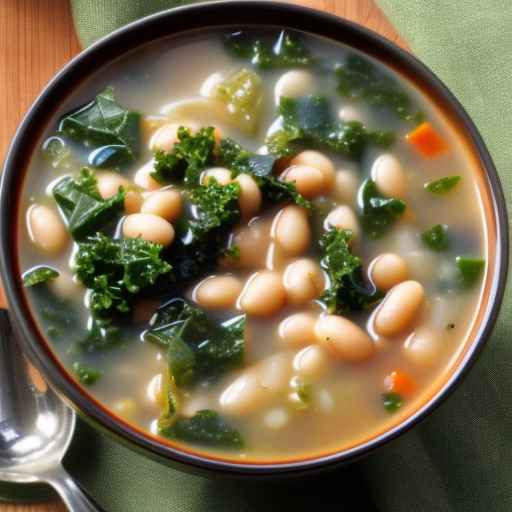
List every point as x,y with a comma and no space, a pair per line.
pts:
470,269
38,275
206,428
85,374
347,290
287,51
168,413
242,93
436,237
443,185
273,190
189,157
358,78
309,121
106,126
302,396
233,252
197,348
116,270
100,335
378,212
392,402
82,206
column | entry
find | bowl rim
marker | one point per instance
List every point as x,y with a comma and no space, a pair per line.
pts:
181,20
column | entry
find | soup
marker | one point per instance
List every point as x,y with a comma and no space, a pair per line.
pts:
260,244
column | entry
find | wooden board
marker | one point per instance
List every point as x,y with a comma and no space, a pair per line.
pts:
37,38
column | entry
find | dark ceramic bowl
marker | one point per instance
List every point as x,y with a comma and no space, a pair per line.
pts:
235,14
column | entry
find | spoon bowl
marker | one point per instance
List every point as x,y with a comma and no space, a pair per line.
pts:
36,426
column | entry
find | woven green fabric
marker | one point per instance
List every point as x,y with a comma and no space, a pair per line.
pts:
460,458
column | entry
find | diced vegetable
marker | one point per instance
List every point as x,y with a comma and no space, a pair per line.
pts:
400,382
287,51
189,157
392,401
427,141
470,269
442,185
116,270
359,79
85,374
206,428
436,238
309,120
105,124
347,290
198,349
378,213
242,93
82,206
39,275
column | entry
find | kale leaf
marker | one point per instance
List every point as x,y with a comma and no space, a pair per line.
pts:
442,185
436,237
85,374
469,269
206,428
347,290
116,270
81,204
38,275
286,51
274,190
197,348
168,413
378,212
309,121
106,126
358,78
190,155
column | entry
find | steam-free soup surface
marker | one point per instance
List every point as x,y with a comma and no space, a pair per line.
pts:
275,249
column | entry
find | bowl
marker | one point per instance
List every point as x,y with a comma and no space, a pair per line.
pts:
236,14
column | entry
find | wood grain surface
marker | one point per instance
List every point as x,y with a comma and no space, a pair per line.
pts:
37,38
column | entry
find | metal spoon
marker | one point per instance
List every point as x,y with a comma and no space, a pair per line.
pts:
36,427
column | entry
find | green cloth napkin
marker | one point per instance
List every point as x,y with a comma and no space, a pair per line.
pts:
460,458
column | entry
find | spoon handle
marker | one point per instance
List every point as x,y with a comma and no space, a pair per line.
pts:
72,495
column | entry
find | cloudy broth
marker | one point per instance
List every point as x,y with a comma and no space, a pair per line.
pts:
336,399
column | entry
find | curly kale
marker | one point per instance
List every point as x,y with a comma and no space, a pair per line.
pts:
82,205
189,157
38,275
286,51
358,78
116,270
347,290
308,121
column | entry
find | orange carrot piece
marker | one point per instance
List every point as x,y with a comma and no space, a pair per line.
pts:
427,141
400,382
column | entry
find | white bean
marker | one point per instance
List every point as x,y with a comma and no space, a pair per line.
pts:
422,348
388,174
149,227
221,175
250,196
399,308
343,338
133,201
311,362
297,330
46,229
309,181
264,294
303,281
387,270
319,161
291,230
109,183
144,179
276,419
65,287
154,390
343,217
293,84
164,203
276,257
209,85
345,186
351,113
165,137
218,292
253,241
